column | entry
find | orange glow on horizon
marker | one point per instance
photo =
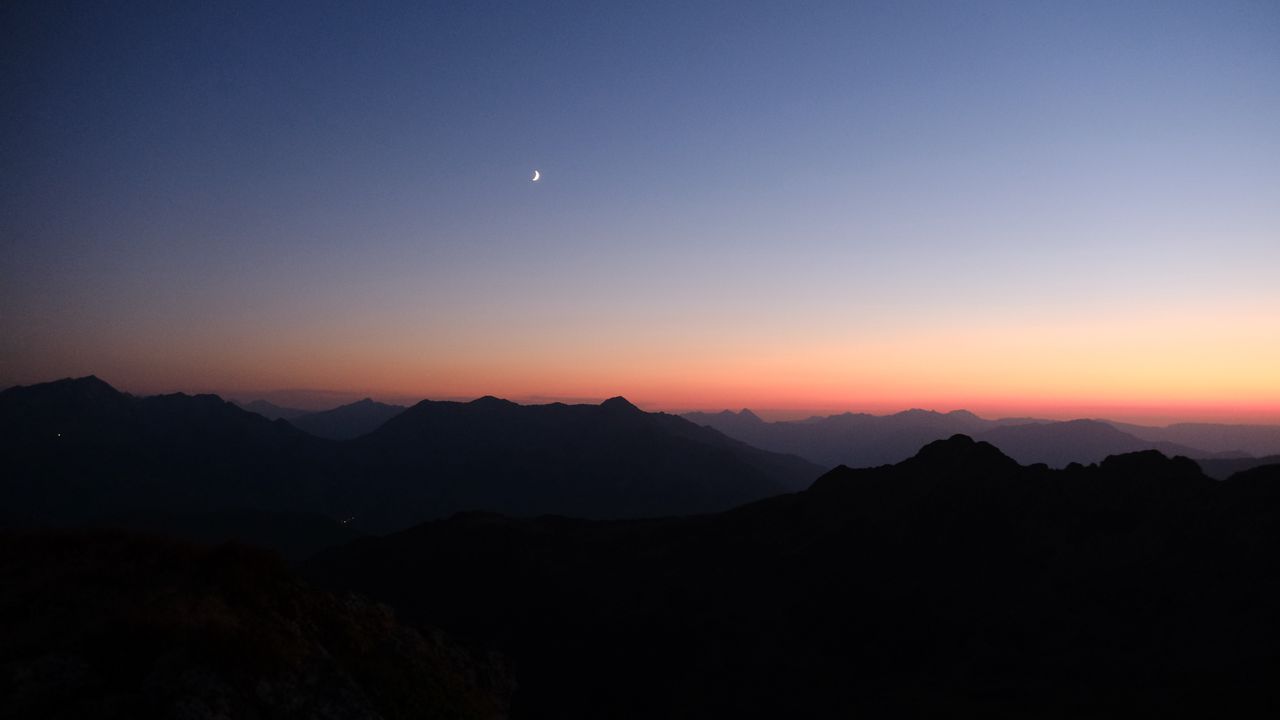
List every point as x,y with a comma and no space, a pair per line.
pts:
1188,363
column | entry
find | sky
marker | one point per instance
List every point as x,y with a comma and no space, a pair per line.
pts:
1056,209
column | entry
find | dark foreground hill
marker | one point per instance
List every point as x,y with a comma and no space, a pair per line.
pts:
956,582
77,452
108,625
347,421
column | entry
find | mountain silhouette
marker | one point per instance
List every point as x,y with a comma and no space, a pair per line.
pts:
1224,467
347,421
1082,441
862,440
271,411
79,451
607,460
853,439
1256,440
956,581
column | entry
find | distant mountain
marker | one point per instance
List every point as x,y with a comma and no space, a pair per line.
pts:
607,460
862,440
1256,440
271,411
1224,467
853,439
348,421
1084,441
113,625
956,582
79,451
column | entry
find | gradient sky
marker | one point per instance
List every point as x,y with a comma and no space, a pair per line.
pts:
1066,208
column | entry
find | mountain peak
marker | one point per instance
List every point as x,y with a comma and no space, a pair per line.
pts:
1152,463
490,401
746,414
962,451
619,403
88,383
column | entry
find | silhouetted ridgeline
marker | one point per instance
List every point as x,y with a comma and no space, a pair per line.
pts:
78,451
347,421
110,625
862,440
957,581
271,411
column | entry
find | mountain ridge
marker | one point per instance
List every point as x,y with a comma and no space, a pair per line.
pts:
77,450
863,439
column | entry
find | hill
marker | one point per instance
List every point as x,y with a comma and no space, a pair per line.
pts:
956,581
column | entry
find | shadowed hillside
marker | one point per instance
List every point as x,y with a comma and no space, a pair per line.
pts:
957,581
109,625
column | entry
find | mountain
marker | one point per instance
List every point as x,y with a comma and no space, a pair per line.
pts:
1256,440
271,411
114,625
956,582
347,421
78,451
862,440
607,460
1224,467
853,439
1083,441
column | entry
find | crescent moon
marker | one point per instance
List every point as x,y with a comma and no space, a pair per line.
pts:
536,175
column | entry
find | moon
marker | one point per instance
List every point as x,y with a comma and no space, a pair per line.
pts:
536,175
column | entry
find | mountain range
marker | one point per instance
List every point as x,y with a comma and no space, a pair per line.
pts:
863,440
340,423
577,561
78,450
